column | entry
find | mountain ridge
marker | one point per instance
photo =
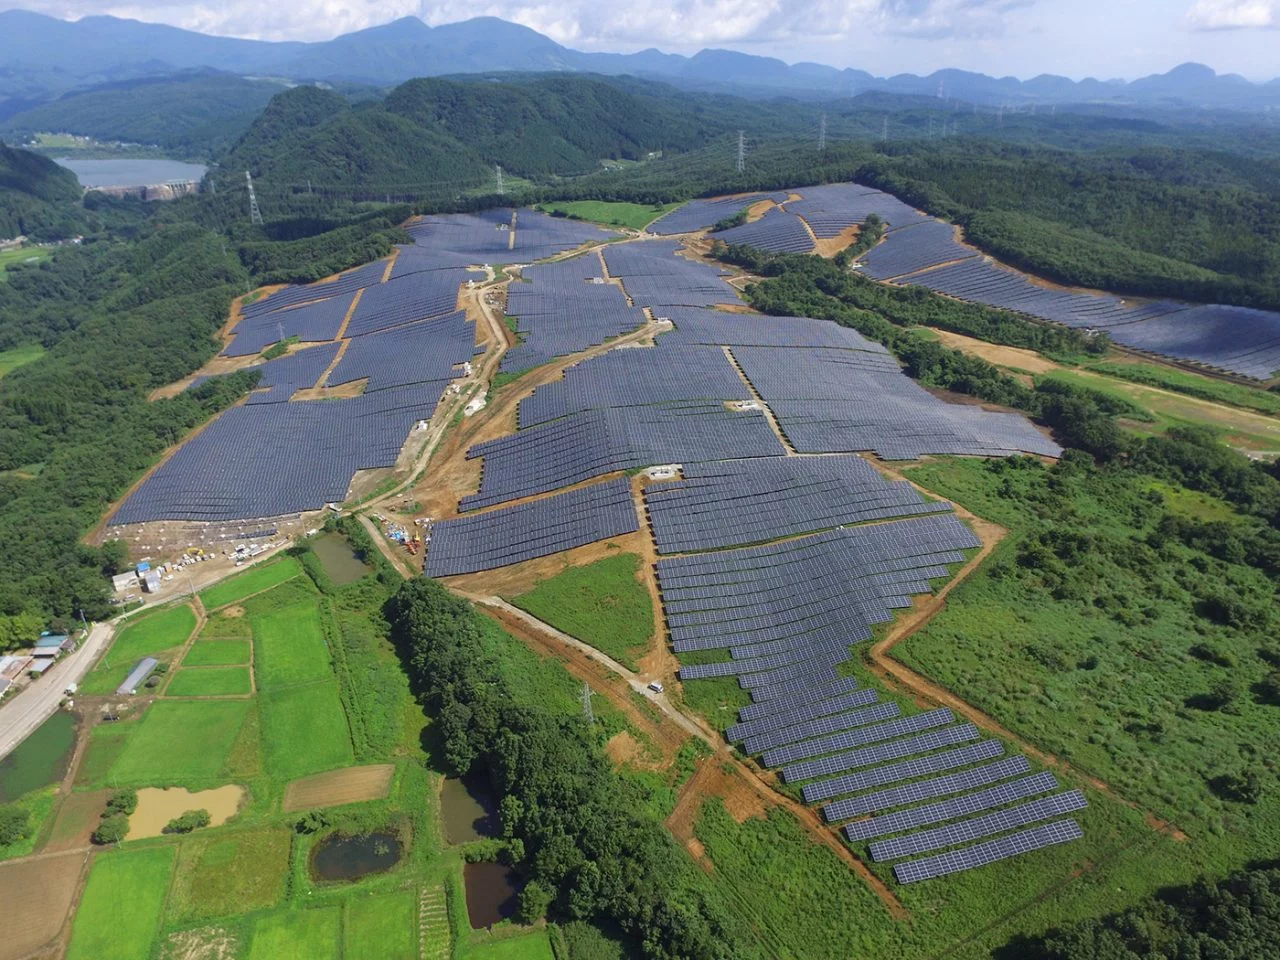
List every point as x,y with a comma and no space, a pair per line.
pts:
43,53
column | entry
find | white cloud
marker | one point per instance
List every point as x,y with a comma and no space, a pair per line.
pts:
1234,14
679,25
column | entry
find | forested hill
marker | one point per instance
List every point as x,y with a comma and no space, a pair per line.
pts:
431,131
38,198
192,114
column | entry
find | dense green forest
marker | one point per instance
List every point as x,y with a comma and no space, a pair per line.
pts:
576,830
38,198
1233,919
192,115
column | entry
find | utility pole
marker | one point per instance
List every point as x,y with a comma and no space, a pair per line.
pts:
502,189
587,712
822,134
742,151
255,214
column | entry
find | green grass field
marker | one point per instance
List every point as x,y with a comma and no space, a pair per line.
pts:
240,873
11,360
39,805
10,258
305,730
636,216
297,935
176,743
602,604
289,647
1192,384
209,682
382,927
119,915
255,580
143,636
217,653
533,945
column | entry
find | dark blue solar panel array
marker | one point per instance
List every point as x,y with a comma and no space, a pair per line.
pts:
538,529
422,352
819,726
271,459
915,248
597,442
831,401
539,235
560,311
456,240
858,737
700,325
417,296
720,505
777,232
654,276
701,214
313,322
943,810
934,739
952,783
346,283
782,701
287,375
636,376
983,281
796,712
919,790
1238,339
982,854
824,589
831,209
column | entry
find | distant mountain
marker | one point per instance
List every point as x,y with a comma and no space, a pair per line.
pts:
194,113
42,56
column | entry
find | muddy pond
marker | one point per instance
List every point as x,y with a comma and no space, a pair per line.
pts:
493,893
338,559
39,760
469,810
350,858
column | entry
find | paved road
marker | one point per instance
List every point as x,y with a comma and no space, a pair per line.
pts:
20,716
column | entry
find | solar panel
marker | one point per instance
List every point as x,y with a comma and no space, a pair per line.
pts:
800,711
982,854
987,825
878,753
953,809
859,736
833,723
529,530
770,701
915,248
937,787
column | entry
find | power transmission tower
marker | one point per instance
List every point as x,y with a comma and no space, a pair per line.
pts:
742,151
822,134
884,130
587,712
255,215
502,189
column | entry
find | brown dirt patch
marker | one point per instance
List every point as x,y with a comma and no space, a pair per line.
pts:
77,818
830,247
37,896
207,943
336,787
1013,357
231,612
623,748
156,807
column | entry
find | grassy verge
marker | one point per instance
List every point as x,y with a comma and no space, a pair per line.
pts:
11,360
119,914
602,603
148,635
255,580
1193,385
635,216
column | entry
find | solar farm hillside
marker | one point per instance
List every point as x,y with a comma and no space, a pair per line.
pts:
770,575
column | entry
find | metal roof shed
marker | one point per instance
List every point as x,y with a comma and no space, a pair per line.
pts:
137,676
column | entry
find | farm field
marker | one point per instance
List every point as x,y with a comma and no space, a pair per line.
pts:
313,934
382,927
209,682
240,872
305,730
145,636
180,743
9,258
635,216
120,912
603,604
261,577
217,653
530,946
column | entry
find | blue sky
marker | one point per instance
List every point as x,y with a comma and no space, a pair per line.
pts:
1077,38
